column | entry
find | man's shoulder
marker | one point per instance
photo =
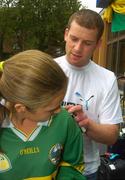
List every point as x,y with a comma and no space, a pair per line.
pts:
60,59
102,70
101,75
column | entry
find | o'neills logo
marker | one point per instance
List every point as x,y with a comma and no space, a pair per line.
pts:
5,164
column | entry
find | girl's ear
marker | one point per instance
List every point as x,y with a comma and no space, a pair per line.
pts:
20,108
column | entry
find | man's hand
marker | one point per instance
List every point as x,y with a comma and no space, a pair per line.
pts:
79,115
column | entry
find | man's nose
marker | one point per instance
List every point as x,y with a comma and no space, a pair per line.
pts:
78,46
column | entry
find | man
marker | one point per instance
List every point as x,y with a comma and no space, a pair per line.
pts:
91,86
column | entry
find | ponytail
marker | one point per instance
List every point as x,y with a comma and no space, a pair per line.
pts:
1,66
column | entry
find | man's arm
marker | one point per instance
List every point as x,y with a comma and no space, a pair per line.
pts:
102,133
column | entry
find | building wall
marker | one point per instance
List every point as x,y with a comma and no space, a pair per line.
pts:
100,53
111,53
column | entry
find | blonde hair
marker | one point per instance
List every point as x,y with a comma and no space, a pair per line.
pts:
32,78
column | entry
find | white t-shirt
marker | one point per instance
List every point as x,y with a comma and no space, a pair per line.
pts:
96,89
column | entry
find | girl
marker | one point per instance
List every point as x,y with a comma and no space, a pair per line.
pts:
36,133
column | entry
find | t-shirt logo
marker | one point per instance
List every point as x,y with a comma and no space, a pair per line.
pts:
85,102
5,164
55,154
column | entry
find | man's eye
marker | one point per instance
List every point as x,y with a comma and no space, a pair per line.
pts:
74,39
88,43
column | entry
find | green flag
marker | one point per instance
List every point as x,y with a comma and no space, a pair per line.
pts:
118,22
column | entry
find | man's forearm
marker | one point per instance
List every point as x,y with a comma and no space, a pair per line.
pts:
103,133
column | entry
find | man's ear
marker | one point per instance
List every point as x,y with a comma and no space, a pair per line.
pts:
20,108
99,43
66,34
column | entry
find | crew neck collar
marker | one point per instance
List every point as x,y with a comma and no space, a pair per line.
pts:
75,67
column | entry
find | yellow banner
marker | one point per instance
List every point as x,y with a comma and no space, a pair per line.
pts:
117,6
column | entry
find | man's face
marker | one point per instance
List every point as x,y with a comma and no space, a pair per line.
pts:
80,44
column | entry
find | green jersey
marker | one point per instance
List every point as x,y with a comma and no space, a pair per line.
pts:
54,150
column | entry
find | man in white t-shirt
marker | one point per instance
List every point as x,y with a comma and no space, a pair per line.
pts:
90,85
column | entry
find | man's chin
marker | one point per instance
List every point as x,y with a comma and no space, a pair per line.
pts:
74,63
75,60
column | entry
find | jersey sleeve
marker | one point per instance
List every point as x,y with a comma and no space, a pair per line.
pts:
69,173
72,164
